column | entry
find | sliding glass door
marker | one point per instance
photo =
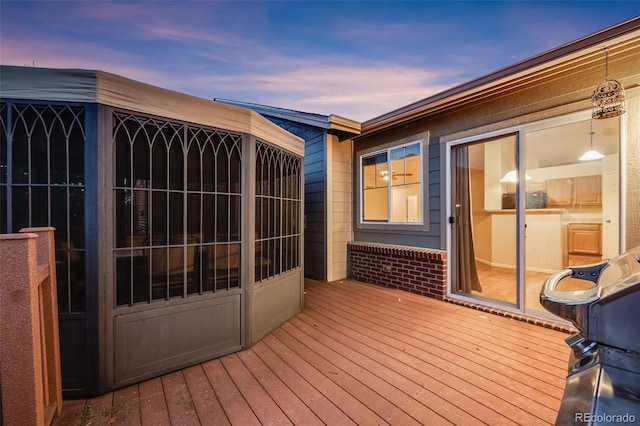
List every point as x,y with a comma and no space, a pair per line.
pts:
526,204
483,220
572,200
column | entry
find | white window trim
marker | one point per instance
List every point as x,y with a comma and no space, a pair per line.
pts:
423,225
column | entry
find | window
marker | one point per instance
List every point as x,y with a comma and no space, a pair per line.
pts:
177,201
278,207
42,183
391,185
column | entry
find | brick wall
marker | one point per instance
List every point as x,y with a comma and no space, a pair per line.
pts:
416,270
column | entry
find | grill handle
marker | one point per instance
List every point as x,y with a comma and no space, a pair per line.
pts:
569,305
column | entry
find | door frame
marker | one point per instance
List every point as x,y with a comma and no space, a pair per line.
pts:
519,131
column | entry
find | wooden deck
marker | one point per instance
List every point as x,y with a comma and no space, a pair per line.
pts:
359,354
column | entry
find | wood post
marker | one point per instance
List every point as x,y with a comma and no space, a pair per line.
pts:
30,376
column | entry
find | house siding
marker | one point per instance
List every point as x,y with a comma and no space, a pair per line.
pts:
425,239
339,206
315,245
563,89
558,90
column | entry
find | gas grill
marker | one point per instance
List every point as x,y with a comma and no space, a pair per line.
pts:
603,380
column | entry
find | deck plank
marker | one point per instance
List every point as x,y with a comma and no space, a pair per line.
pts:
261,403
442,377
359,354
126,407
324,409
387,401
179,403
99,410
205,401
236,408
153,407
293,407
536,403
350,405
449,335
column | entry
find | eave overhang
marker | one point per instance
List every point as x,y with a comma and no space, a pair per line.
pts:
330,123
586,48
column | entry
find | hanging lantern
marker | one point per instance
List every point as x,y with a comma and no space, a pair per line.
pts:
608,98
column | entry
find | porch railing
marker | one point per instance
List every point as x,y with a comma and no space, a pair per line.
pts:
30,377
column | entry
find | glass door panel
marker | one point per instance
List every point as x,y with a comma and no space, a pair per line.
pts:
484,232
572,209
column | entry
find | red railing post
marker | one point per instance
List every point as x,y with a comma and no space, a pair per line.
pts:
29,341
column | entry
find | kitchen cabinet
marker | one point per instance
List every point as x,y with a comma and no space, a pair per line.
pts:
578,191
559,192
588,190
585,238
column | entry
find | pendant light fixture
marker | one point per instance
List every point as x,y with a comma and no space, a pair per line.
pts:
608,99
512,177
592,154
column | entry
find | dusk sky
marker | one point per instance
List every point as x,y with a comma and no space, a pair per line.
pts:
357,59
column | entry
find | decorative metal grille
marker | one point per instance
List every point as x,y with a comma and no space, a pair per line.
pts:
277,214
177,197
42,183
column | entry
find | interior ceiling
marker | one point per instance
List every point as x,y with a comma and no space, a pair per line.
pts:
563,145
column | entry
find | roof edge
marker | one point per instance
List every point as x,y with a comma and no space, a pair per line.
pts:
495,78
327,122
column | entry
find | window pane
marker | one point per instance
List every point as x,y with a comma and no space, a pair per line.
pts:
59,213
208,218
58,156
158,217
122,218
194,214
39,206
20,208
20,153
193,168
123,162
3,209
76,216
369,173
3,148
397,166
176,165
406,203
158,163
76,152
176,211
412,164
376,204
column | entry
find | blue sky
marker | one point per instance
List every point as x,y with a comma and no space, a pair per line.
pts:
357,59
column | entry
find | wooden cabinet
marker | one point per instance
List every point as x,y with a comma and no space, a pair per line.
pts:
588,190
585,238
578,191
560,192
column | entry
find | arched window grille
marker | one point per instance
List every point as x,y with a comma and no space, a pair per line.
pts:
42,183
177,196
277,214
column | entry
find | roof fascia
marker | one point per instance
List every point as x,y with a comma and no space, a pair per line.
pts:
331,122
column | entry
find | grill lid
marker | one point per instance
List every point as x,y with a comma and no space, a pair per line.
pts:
611,279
